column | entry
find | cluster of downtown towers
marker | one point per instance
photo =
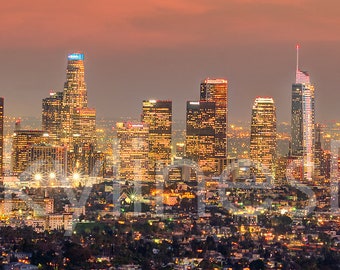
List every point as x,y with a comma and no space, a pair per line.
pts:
67,141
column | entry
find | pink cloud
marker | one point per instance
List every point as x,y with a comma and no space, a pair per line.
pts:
135,24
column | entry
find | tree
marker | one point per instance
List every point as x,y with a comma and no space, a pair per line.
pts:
76,254
210,243
257,265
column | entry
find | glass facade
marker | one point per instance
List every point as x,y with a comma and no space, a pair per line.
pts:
200,134
303,122
216,90
157,114
68,119
23,141
76,118
263,137
51,116
133,149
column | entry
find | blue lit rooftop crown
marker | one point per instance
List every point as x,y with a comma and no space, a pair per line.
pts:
75,56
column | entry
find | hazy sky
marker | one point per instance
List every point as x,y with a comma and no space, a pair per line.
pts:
162,49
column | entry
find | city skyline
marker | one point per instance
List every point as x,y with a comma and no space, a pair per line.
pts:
170,134
163,50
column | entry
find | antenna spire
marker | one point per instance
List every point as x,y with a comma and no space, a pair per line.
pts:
297,57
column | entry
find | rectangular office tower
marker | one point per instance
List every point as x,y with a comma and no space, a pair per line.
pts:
157,114
1,135
303,121
51,116
23,141
216,90
133,149
263,138
200,134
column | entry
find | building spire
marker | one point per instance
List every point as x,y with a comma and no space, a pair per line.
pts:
300,76
297,57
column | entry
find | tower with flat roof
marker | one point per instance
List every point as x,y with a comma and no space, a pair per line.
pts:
263,137
157,114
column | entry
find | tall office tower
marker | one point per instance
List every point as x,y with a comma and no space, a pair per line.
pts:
51,116
302,123
133,149
77,119
318,152
200,134
216,90
75,94
84,124
23,141
157,114
1,135
50,160
263,137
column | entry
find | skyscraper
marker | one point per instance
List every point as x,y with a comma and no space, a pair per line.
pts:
157,114
263,137
303,120
51,116
51,159
216,90
23,141
77,119
68,119
200,134
133,149
318,151
1,135
84,127
75,93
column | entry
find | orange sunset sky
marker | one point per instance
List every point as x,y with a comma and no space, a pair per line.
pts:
141,49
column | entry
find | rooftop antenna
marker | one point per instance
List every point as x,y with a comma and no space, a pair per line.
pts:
297,57
297,62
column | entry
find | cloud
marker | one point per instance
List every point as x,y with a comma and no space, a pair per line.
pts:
135,24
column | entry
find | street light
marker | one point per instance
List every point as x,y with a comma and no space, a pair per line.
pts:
37,177
76,176
52,175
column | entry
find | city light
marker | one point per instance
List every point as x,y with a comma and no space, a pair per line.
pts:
183,180
76,176
38,177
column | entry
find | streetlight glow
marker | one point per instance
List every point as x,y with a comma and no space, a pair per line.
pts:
37,177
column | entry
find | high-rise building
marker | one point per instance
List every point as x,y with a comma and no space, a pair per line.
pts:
318,151
68,119
77,119
84,126
303,121
157,114
200,134
206,138
1,135
75,93
263,137
133,149
48,159
216,90
51,116
23,141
